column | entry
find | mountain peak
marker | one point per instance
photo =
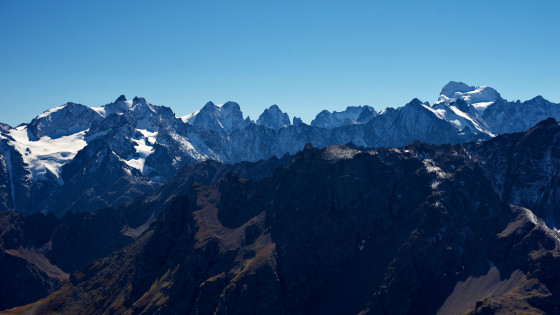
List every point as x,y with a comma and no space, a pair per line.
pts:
209,105
351,115
274,108
537,98
231,107
223,118
137,99
121,98
297,121
453,87
230,104
63,120
479,97
415,102
274,118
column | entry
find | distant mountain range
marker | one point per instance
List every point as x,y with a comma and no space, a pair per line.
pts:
75,157
422,229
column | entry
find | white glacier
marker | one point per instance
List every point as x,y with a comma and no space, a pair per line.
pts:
143,150
46,154
50,111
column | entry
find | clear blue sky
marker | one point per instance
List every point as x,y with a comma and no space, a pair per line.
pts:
302,55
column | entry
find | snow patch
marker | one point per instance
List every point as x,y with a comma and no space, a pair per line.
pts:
50,111
46,155
456,123
431,167
480,97
190,117
100,110
466,118
335,153
187,146
150,136
143,150
440,113
481,106
456,117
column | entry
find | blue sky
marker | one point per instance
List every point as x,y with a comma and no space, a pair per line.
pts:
304,56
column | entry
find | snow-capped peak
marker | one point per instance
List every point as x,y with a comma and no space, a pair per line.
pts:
140,105
479,97
50,111
63,120
120,105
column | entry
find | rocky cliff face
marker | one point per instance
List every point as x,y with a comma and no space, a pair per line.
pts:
64,120
417,230
524,168
274,118
351,116
504,117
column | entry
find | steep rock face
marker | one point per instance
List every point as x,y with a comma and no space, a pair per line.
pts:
506,117
6,198
416,122
413,122
414,119
524,168
4,127
297,121
16,191
26,274
63,120
258,142
396,231
222,118
274,118
352,115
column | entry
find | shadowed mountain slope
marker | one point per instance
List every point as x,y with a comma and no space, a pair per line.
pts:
417,230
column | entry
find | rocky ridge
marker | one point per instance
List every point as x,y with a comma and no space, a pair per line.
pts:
38,251
80,158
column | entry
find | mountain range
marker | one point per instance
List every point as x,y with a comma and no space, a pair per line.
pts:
80,158
126,208
421,229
